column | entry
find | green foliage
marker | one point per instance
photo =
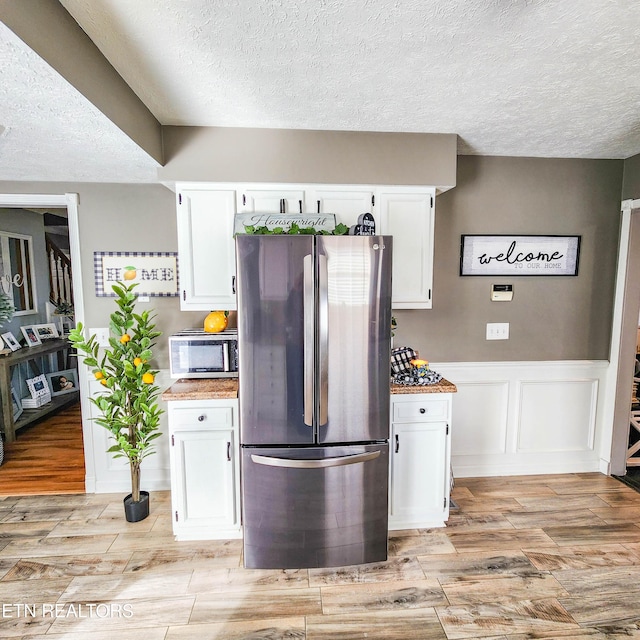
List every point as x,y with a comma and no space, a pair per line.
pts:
340,230
64,308
6,308
129,401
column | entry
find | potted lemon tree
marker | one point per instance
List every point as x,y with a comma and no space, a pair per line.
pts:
128,402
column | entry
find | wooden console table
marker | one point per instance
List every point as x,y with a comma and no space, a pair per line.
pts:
28,416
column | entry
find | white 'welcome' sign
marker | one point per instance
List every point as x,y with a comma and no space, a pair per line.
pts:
501,255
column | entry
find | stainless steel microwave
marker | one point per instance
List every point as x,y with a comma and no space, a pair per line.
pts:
194,353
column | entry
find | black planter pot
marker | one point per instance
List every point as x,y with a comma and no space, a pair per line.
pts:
136,511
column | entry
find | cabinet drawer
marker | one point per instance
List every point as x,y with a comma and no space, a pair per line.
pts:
205,416
419,410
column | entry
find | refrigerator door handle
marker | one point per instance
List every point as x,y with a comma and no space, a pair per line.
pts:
323,339
322,463
308,306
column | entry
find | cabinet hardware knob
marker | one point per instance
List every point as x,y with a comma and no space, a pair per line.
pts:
423,410
201,418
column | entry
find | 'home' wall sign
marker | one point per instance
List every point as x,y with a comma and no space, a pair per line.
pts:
505,255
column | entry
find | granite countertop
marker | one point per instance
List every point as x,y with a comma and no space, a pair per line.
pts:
212,388
444,386
202,389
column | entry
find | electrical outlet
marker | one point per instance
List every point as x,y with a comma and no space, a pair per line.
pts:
102,335
497,330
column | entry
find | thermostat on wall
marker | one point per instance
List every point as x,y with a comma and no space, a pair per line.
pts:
501,292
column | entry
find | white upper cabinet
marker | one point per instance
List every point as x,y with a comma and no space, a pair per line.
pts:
347,203
271,199
408,216
206,248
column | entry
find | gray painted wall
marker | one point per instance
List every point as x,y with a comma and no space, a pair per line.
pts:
551,318
220,154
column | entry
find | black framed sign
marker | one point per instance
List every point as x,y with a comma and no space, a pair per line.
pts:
507,255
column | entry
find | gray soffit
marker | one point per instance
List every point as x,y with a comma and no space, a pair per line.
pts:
538,78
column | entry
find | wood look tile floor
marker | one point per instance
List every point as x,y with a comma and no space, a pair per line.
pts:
522,557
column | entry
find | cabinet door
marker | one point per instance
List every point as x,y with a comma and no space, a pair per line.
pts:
206,249
419,476
204,473
346,204
408,217
269,200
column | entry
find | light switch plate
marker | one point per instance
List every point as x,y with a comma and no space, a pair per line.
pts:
497,330
102,335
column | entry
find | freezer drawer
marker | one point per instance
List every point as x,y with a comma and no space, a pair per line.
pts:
314,507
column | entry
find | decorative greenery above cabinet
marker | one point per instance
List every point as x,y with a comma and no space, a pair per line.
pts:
207,249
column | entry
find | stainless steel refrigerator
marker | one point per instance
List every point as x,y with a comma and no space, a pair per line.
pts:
314,334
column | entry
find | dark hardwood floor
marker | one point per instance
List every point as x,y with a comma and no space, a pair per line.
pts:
45,458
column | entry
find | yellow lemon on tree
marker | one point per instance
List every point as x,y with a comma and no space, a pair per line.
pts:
103,381
147,378
124,338
99,375
137,361
216,321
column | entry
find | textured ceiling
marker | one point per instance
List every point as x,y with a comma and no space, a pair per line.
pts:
51,132
546,78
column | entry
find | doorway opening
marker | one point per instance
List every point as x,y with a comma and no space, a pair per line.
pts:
58,429
624,339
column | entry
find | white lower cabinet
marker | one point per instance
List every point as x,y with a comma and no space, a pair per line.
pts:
205,479
419,479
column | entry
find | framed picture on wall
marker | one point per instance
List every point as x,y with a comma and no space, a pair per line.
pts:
511,255
17,271
10,341
30,336
156,272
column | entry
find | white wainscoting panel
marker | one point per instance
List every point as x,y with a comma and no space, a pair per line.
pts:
527,418
483,407
554,416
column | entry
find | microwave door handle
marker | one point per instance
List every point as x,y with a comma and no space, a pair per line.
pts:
225,356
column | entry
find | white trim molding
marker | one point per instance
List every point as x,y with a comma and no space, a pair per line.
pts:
527,418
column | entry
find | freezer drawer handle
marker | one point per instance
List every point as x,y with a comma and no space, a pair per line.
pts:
315,464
